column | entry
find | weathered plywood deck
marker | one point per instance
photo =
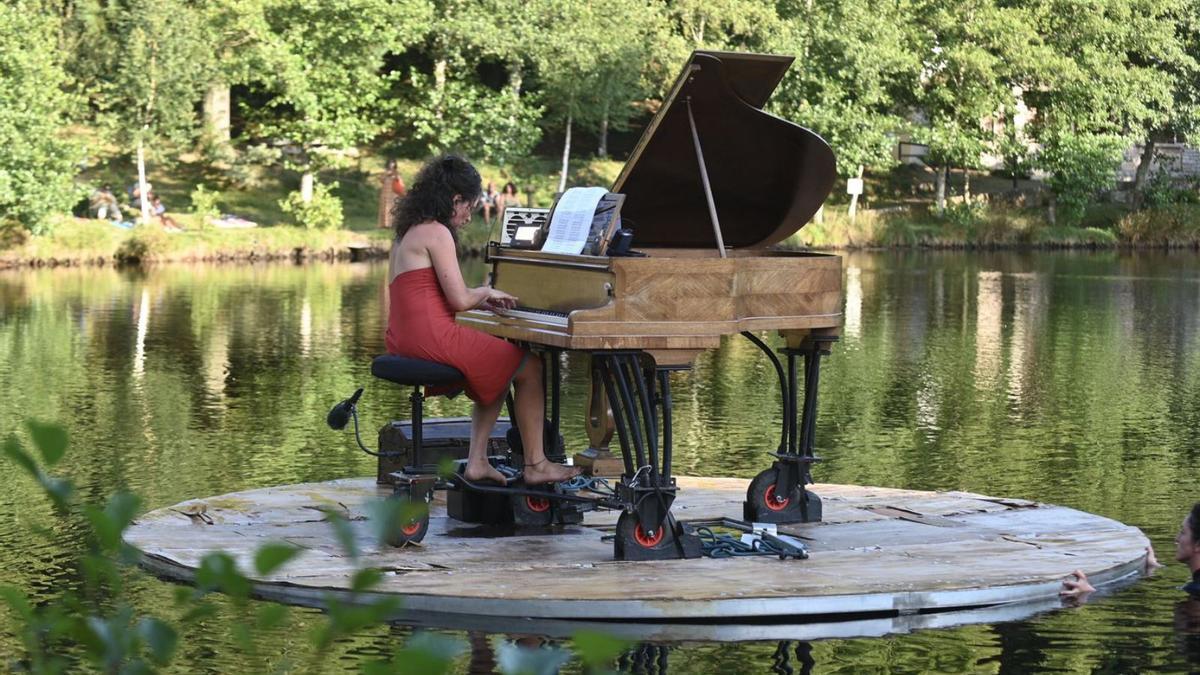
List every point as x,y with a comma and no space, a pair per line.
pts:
879,551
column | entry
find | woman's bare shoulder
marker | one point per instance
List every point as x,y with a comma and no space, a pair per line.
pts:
430,234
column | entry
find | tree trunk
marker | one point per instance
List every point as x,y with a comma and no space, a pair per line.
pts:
562,180
439,85
516,77
603,149
1143,172
940,198
306,186
966,186
216,112
143,186
1052,211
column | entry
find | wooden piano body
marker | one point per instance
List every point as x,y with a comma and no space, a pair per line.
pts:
672,303
712,186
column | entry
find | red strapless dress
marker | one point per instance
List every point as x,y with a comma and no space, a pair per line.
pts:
421,326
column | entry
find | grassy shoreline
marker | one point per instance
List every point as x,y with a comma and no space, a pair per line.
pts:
78,241
899,220
85,243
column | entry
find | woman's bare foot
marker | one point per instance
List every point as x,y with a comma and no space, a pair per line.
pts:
483,471
546,471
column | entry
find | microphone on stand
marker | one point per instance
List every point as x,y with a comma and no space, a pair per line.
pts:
339,415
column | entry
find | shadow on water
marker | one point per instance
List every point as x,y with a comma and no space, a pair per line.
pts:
1071,378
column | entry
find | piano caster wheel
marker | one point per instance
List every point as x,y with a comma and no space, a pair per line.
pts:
408,531
634,543
764,506
530,510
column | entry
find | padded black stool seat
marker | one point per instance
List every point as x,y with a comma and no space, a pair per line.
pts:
403,370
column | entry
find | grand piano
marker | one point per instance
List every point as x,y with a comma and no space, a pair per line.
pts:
713,184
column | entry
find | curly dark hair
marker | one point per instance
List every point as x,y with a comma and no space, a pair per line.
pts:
431,196
1193,521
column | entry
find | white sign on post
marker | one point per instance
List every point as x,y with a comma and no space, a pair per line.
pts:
854,186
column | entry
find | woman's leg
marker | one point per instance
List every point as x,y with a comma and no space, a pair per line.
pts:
531,419
483,418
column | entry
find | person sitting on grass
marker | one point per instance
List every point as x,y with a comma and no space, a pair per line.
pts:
103,205
160,211
426,288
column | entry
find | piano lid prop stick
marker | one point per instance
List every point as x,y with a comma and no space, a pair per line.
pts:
712,207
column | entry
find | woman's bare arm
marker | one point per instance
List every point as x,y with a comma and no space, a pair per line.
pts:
444,258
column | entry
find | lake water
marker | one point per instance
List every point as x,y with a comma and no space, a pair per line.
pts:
1071,378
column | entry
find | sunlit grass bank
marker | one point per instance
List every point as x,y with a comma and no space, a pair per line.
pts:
87,241
84,241
1178,226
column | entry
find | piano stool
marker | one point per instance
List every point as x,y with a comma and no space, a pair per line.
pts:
414,475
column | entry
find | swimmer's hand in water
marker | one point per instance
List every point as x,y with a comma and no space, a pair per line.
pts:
1076,587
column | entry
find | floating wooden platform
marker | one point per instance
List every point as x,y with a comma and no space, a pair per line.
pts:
886,557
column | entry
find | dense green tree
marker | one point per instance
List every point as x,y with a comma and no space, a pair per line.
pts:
1080,165
592,64
854,63
975,54
1122,67
464,116
724,24
243,48
37,163
325,81
448,107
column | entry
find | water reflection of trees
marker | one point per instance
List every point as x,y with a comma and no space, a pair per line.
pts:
1072,378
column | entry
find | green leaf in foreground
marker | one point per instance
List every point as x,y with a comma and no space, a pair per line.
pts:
270,557
49,439
160,637
14,451
424,654
596,649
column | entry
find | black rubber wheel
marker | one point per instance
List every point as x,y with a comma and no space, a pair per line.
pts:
770,507
637,543
408,532
530,510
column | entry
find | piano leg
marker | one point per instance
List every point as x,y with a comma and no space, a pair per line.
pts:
646,530
778,495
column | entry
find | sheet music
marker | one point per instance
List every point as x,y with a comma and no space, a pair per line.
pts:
572,220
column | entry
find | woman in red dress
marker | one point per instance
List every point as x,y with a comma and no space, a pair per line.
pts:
426,288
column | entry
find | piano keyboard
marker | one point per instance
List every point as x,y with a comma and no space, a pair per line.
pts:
534,310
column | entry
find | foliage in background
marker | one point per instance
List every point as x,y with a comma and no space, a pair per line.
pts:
854,63
204,203
470,119
154,66
325,86
1080,166
322,212
37,163
1178,225
318,82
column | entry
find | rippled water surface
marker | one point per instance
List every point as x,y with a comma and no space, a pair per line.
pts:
1071,378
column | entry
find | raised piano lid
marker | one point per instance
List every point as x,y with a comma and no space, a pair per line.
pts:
768,176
